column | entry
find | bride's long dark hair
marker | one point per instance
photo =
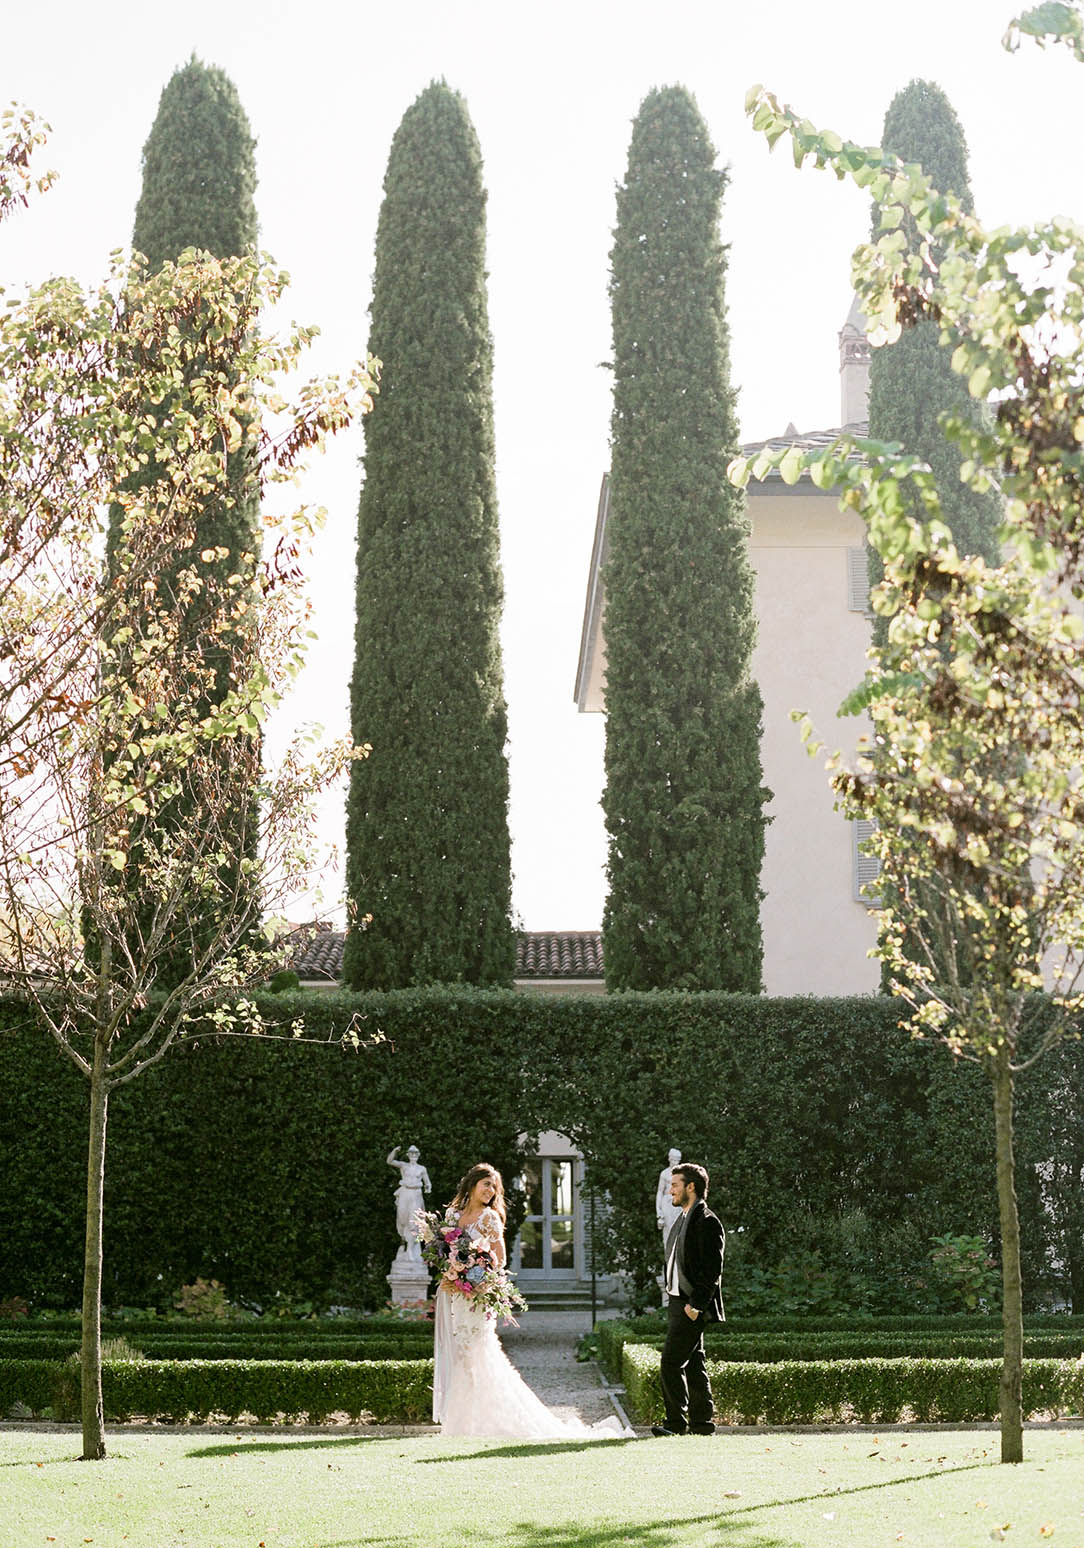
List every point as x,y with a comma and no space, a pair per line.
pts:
471,1179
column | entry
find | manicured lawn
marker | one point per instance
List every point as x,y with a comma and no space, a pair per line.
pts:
198,1490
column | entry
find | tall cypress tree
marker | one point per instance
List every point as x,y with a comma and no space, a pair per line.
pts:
199,176
199,170
427,812
683,799
912,382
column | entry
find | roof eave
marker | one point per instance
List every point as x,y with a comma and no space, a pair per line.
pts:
592,612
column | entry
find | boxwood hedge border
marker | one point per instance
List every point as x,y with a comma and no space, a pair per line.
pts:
879,1391
194,1391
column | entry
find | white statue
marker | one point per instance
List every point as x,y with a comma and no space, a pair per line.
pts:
666,1211
409,1196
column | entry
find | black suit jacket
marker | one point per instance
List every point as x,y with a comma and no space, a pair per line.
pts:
700,1257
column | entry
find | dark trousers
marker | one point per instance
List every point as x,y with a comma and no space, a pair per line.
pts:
686,1391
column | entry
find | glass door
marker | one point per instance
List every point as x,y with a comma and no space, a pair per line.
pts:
546,1245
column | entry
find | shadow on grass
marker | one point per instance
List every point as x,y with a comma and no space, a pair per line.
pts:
533,1449
518,1449
655,1534
726,1528
868,1488
29,1462
335,1443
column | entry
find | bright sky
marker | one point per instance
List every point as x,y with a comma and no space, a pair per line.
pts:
552,91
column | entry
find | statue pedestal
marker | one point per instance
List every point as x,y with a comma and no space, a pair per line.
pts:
408,1281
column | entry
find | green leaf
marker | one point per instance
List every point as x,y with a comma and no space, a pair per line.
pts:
790,468
825,471
978,383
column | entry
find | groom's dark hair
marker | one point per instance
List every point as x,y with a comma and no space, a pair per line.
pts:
695,1175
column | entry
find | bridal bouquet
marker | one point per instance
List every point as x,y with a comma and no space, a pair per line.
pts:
467,1265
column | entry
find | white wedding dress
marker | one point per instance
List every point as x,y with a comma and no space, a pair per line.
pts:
476,1388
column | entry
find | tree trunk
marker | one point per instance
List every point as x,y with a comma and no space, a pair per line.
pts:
1012,1313
1074,1238
1076,1277
93,1409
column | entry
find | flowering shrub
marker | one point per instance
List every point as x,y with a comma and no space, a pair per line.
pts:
205,1299
963,1271
296,1308
409,1311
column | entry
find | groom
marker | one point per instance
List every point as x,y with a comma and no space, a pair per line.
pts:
694,1266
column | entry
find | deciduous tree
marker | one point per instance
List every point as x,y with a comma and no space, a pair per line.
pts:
973,771
912,383
199,177
104,737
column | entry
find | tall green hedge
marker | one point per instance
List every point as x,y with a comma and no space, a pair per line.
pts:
428,856
263,1165
684,792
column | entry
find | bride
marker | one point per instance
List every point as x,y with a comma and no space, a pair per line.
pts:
476,1388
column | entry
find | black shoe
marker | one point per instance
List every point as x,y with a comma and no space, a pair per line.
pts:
701,1429
660,1429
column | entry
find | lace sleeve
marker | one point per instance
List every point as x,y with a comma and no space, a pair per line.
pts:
489,1224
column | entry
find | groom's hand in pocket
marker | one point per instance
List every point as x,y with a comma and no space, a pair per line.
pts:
692,1313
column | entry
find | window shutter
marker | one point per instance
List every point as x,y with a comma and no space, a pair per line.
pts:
857,581
866,868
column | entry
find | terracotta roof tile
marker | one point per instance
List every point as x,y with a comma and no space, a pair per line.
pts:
559,954
812,440
539,954
807,441
319,953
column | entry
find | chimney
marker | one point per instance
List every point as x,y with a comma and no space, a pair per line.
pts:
854,355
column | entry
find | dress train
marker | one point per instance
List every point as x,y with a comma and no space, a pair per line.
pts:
478,1391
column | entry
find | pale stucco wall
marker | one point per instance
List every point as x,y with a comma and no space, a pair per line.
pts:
810,653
